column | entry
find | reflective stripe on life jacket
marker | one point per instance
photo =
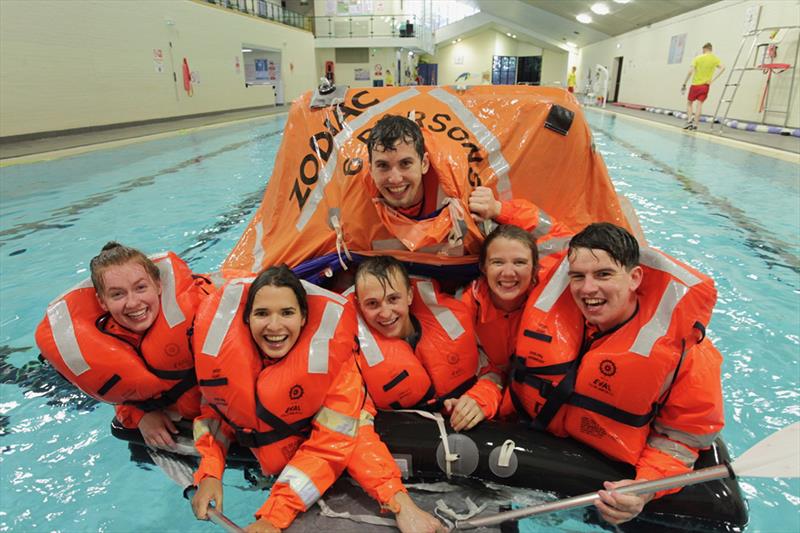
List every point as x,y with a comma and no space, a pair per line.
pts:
272,408
620,377
75,339
443,365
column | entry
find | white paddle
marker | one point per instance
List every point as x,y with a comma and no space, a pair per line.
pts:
776,456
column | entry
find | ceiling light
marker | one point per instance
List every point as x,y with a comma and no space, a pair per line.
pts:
246,50
600,8
507,33
453,41
458,40
622,1
513,36
584,18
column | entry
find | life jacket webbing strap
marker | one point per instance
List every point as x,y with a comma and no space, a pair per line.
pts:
455,393
280,427
168,397
395,381
108,385
439,419
255,439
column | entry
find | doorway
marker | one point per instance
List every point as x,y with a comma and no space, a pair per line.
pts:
615,79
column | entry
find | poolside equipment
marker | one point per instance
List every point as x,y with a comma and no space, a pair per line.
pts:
778,455
181,473
427,449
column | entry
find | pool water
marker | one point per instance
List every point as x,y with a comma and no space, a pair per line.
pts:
729,213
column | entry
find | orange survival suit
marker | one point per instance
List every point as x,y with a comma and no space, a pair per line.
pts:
444,363
139,373
299,415
645,392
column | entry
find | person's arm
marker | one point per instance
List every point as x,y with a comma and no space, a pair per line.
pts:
211,439
688,76
373,467
320,459
519,212
721,69
689,421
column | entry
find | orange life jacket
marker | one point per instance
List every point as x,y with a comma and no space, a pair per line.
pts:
443,365
155,375
270,407
613,382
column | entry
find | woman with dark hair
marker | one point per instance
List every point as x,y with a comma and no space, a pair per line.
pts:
275,364
123,338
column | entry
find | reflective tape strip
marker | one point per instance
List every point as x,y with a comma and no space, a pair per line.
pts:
444,316
396,244
336,421
694,440
658,325
388,244
484,137
653,259
201,426
554,288
85,284
544,225
366,418
673,449
223,317
300,483
349,290
318,349
326,172
64,336
316,290
258,246
552,246
169,299
369,346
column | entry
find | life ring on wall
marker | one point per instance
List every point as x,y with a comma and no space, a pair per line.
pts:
187,78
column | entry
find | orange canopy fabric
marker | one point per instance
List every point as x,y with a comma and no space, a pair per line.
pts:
321,194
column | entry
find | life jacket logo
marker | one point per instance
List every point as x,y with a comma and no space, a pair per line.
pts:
296,392
293,409
602,386
171,349
608,368
452,358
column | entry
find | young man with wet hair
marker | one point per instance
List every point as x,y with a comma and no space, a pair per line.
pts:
637,381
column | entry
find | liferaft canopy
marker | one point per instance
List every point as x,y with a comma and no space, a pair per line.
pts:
524,142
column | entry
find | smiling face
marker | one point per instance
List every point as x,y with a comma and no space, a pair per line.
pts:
275,320
130,295
508,268
397,174
385,308
604,290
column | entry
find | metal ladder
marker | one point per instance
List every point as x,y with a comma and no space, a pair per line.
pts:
730,87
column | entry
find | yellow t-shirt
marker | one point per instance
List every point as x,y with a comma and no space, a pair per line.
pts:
704,66
571,79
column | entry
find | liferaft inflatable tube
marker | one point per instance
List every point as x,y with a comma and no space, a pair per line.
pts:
561,465
536,460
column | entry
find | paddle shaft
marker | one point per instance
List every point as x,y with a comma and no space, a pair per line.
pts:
645,487
215,516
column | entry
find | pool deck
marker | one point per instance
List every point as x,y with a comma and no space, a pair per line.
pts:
48,146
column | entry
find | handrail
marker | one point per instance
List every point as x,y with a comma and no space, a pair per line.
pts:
349,26
265,10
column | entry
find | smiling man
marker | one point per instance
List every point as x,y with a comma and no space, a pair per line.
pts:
620,363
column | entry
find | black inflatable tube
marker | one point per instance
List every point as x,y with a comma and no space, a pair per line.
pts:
544,462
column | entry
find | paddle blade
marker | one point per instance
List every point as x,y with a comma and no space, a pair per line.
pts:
177,470
776,456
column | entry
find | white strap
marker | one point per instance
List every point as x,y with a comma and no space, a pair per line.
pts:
340,243
362,518
506,451
472,510
449,458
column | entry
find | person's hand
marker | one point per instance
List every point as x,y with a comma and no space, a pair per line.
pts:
683,88
464,412
210,489
412,519
157,430
483,205
618,508
262,525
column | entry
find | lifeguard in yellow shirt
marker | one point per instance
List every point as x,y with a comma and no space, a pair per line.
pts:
702,73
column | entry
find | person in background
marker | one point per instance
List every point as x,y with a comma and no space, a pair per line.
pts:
572,79
702,74
596,361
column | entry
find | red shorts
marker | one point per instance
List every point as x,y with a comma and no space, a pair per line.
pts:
698,92
571,89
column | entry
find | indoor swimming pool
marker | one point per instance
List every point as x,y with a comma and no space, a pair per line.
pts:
728,212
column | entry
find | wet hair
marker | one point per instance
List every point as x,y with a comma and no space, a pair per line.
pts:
513,233
115,254
390,130
276,276
620,245
382,267
707,46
